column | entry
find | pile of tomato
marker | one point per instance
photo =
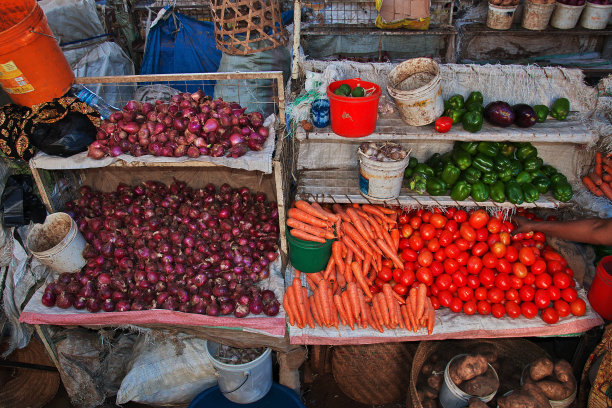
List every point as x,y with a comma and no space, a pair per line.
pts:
472,263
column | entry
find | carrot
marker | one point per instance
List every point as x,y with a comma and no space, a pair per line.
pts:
596,179
337,255
309,318
399,299
351,288
332,217
310,283
346,240
431,316
421,299
598,164
385,210
398,313
299,299
607,177
395,236
341,213
305,236
591,186
297,273
348,272
607,168
368,227
292,299
357,238
373,319
315,311
307,208
607,190
340,279
341,311
404,311
324,287
349,310
288,308
389,240
384,309
375,210
316,277
330,267
303,216
332,276
367,263
360,280
375,226
390,303
378,262
334,311
389,253
412,308
377,312
316,231
357,223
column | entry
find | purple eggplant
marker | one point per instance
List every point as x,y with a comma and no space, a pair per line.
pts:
524,115
499,114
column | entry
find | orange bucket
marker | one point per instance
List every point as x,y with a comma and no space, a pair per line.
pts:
33,68
350,116
601,289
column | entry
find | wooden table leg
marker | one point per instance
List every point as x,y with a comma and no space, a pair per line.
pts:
289,363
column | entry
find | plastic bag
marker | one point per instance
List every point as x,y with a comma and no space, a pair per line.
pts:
19,204
68,136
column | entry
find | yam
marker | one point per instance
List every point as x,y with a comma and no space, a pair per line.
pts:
482,385
476,403
429,404
563,372
529,396
467,367
537,395
435,381
428,392
554,390
487,350
541,368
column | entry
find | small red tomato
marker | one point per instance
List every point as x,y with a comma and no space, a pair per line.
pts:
462,258
388,263
484,308
470,307
538,267
404,218
495,295
482,234
499,250
493,238
436,268
416,242
424,275
435,302
443,281
554,293
450,266
516,282
529,279
408,255
511,254
438,221
445,298
541,299
502,281
403,244
415,222
400,289
562,308
425,257
427,231
374,289
494,225
480,293
406,231
439,255
578,307
489,260
452,251
487,277
434,290
385,274
504,237
561,280
498,310
513,310
503,266
397,274
554,266
473,282
467,232
433,245
426,216
451,226
519,270
527,256
407,278
527,293
550,315
479,218
460,216
529,310
474,265
456,305
539,236
570,272
445,238
512,294
462,244
465,293
543,281
449,212
459,279
480,248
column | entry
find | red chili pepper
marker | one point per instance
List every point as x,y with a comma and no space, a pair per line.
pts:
443,124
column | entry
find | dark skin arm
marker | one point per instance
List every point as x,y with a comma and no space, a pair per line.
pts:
596,231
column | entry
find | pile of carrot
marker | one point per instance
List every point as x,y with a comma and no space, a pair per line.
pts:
599,182
341,293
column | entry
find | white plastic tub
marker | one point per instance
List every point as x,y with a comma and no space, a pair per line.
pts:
595,16
500,17
381,180
451,396
565,17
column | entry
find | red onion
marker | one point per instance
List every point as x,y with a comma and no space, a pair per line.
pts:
272,308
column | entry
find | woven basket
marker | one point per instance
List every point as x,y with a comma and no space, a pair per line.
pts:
513,355
245,27
374,373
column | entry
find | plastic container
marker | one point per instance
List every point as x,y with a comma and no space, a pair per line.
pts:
353,117
33,68
565,17
415,85
320,113
93,100
381,180
308,256
58,243
500,17
595,16
537,16
600,292
243,383
279,396
452,396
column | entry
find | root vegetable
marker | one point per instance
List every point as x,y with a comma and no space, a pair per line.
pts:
428,392
435,381
481,385
554,390
429,404
563,371
529,396
467,367
541,368
476,403
487,350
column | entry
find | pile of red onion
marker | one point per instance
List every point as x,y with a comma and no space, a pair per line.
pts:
189,125
172,247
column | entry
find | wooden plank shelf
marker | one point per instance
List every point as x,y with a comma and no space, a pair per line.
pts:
482,29
371,29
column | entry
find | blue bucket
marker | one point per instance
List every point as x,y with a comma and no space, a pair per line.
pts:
279,396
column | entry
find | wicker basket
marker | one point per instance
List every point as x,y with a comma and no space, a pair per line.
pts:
513,355
373,373
247,26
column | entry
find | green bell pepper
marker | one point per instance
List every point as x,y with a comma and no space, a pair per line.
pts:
456,101
423,169
497,192
434,160
455,114
412,162
436,187
489,178
470,147
541,112
515,167
502,163
530,193
483,163
462,159
526,151
472,121
548,170
471,175
505,175
474,107
461,190
560,109
490,149
447,157
480,191
418,182
562,191
558,178
541,183
408,172
507,150
474,97
514,193
523,177
532,164
537,173
450,174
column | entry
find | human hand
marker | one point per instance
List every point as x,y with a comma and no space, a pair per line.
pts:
522,224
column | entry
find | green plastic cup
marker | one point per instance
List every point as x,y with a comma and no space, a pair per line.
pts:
308,256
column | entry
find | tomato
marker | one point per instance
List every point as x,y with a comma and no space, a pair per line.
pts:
424,275
462,258
570,272
467,232
400,289
462,244
493,238
511,254
539,236
440,255
561,280
519,270
404,218
385,274
543,281
503,266
479,218
516,282
408,255
484,308
443,281
508,226
569,294
480,293
374,289
460,216
529,279
397,274
433,245
451,226
529,310
489,260
494,225
449,212
474,265
416,242
407,278
498,249
578,307
426,216
482,234
436,268
427,231
512,294
425,257
554,266
470,307
456,235
513,310
438,221
445,238
452,251
452,288
554,293
434,290
445,298
562,307
527,256
479,249
502,281
435,302
473,282
495,295
538,267
464,293
504,237
456,305
406,231
450,265
387,262
487,277
415,222
550,315
551,255
403,244
498,310
541,299
527,293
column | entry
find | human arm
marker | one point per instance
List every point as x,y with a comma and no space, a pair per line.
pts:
596,231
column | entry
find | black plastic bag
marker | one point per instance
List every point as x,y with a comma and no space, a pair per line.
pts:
66,137
19,203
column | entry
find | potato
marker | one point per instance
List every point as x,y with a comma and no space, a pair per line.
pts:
427,369
476,403
563,371
482,385
541,368
429,404
554,390
537,395
496,2
428,392
435,381
467,367
487,350
529,396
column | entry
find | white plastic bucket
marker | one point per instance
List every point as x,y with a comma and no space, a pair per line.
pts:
452,396
58,243
595,16
415,85
564,403
500,17
537,16
243,383
381,180
565,16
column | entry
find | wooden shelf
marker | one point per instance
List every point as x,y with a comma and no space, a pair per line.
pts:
480,28
370,29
